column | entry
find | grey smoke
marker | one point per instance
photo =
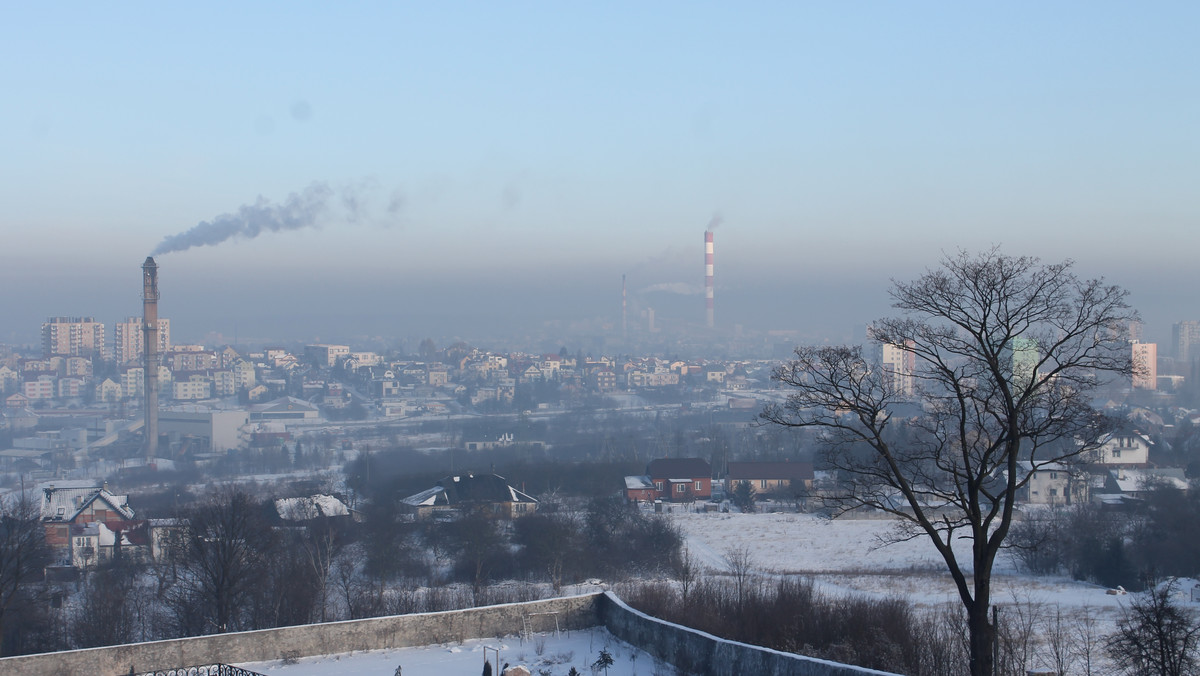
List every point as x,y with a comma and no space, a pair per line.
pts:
308,208
716,220
681,288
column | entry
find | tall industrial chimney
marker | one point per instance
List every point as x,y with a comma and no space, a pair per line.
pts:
624,309
150,352
708,278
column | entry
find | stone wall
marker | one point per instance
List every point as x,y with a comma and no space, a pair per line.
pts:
399,631
695,652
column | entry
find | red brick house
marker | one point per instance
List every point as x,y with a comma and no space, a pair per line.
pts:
672,479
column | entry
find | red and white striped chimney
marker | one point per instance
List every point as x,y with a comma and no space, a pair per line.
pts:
708,277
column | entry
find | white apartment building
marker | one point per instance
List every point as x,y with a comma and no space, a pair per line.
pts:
1145,364
195,387
130,339
898,366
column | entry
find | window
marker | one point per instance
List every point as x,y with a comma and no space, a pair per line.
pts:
762,483
1053,492
1116,452
1053,475
679,488
658,485
699,486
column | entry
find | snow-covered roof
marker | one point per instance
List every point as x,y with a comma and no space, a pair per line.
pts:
64,503
311,507
1134,480
455,490
638,482
426,498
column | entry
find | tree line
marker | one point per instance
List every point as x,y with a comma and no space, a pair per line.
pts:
233,565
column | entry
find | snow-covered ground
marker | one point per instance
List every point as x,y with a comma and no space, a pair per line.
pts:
849,555
840,556
557,653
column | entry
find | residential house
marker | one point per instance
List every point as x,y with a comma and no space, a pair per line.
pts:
77,503
16,401
640,489
678,479
98,542
1123,448
8,379
311,507
109,391
489,493
770,477
1135,483
1051,483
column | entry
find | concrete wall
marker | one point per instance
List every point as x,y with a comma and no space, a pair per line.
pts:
400,631
695,652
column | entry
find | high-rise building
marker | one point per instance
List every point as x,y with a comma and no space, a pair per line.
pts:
72,337
1145,365
1025,357
899,365
130,339
1185,335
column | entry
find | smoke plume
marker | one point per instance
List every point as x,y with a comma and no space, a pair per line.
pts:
308,208
681,288
716,220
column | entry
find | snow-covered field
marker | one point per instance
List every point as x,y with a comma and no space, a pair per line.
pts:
557,653
841,556
848,555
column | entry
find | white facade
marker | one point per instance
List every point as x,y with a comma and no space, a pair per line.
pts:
899,366
1122,449
129,345
196,387
223,429
1145,364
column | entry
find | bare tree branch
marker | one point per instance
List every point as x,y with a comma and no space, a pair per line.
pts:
1007,352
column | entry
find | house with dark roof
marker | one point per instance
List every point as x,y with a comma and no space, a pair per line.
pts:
490,493
769,477
69,504
672,479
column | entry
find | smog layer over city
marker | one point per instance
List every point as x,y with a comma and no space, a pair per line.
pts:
862,333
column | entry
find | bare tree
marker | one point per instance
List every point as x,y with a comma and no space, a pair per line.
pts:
687,570
1061,651
223,566
1156,635
1087,639
23,551
1005,352
321,543
740,563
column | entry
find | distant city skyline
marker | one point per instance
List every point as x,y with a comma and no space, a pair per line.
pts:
489,168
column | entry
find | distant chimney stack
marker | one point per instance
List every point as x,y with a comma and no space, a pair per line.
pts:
708,278
624,311
150,352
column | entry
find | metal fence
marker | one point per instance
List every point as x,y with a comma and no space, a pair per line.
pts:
202,670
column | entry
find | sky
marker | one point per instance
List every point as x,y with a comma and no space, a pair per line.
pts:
437,168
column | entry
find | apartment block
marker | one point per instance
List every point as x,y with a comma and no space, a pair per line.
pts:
72,337
130,339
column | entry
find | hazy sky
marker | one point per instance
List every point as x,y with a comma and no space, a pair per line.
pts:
468,161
